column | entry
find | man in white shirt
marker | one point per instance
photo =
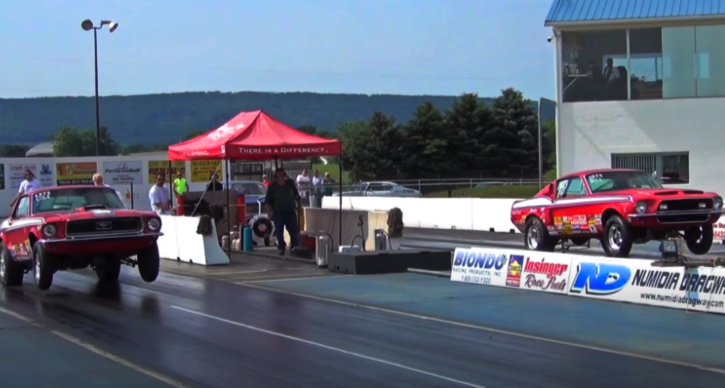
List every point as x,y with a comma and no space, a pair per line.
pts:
303,183
29,184
317,186
98,180
160,197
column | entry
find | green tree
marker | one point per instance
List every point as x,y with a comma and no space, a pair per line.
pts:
548,130
425,146
308,129
13,150
372,148
516,133
73,142
465,129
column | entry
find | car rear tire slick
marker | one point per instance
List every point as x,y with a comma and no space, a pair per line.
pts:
109,270
149,263
699,239
42,267
616,224
12,273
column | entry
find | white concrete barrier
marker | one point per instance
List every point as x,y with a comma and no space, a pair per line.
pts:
487,215
181,242
617,280
490,215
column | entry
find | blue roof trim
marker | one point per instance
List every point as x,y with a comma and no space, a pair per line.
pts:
573,11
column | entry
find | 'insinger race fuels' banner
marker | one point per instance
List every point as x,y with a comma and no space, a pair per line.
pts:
623,280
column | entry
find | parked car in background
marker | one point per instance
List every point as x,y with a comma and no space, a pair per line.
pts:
74,227
379,189
619,207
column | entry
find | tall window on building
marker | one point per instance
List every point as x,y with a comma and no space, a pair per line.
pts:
669,168
592,71
672,62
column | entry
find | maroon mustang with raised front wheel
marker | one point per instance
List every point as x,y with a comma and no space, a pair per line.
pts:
619,207
74,227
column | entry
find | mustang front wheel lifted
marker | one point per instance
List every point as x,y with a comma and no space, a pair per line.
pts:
537,238
617,240
42,267
699,239
148,263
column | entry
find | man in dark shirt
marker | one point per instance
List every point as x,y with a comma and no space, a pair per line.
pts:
214,184
282,201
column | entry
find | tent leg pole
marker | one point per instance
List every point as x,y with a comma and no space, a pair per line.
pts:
229,210
339,215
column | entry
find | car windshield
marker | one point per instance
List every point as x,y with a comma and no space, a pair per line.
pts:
621,180
250,188
69,199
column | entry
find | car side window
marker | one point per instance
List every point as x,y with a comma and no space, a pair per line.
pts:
375,187
576,188
23,209
386,188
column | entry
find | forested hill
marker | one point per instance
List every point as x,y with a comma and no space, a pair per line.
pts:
167,118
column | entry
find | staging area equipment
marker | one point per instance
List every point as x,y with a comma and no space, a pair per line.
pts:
672,250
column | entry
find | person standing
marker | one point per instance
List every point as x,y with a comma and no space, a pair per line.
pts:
98,180
159,196
180,184
282,200
316,189
303,184
265,180
27,185
327,186
214,184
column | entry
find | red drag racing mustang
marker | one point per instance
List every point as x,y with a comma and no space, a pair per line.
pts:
74,227
619,207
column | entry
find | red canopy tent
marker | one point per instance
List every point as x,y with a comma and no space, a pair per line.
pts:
256,136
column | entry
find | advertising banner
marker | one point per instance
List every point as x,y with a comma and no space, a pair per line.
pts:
637,281
16,174
124,172
539,271
480,266
76,173
162,167
202,170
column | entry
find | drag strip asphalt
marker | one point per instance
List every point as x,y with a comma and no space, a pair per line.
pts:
450,239
209,333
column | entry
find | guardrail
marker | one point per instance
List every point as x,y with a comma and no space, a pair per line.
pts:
617,280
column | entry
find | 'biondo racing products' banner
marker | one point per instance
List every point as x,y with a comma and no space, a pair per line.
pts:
202,170
76,173
637,281
162,167
480,266
123,172
539,271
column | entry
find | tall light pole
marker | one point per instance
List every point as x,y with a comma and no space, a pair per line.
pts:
541,141
87,25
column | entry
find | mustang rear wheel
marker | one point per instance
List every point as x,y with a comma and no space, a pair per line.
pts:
11,273
617,239
42,267
149,262
537,238
699,239
108,270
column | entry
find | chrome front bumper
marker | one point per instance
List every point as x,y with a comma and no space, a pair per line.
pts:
706,212
104,237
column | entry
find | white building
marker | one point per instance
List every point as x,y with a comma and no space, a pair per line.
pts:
663,110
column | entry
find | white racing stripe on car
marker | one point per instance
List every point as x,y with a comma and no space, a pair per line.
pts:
544,202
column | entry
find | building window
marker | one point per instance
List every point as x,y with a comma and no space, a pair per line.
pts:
672,62
669,168
590,70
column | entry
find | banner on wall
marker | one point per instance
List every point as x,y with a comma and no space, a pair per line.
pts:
76,173
45,175
16,174
202,170
124,172
162,167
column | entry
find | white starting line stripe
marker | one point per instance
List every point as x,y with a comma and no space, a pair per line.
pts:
334,349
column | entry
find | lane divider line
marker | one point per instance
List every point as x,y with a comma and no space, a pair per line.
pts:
490,329
77,341
334,349
282,278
